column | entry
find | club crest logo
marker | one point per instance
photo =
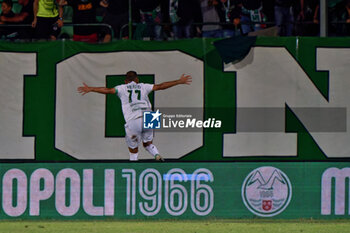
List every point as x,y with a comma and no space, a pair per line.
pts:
266,191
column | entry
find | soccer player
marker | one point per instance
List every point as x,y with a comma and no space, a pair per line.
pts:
134,99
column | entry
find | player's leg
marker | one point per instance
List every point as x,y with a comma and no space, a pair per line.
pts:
132,139
133,152
152,149
147,138
132,143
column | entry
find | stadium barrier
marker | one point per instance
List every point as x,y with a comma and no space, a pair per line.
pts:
66,30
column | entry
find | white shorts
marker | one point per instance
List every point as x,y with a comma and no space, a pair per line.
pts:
134,133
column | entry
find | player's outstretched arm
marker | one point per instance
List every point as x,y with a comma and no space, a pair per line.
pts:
184,79
103,90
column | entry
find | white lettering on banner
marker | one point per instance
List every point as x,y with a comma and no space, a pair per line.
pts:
88,190
13,67
36,193
150,178
61,190
280,81
42,187
341,178
109,192
130,176
176,195
7,192
180,190
335,60
81,133
261,83
172,189
199,189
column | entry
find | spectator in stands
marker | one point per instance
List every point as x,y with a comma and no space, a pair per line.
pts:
150,15
252,17
269,10
347,7
182,14
84,12
210,14
117,15
47,19
6,12
25,16
229,16
308,18
6,9
343,17
284,17
335,9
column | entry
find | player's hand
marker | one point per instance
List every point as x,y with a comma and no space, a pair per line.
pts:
84,89
185,79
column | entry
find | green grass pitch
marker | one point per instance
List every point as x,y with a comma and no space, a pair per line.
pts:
176,226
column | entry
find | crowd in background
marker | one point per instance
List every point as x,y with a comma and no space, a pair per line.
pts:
168,19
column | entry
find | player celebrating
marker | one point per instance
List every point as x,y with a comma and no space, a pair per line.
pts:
134,99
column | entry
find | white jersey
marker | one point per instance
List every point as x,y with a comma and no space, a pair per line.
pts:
134,98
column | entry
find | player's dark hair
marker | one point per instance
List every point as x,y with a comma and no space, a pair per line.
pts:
131,76
8,2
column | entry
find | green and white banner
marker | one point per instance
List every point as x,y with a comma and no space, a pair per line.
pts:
182,190
287,100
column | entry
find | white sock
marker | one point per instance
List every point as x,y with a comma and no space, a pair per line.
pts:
152,149
133,156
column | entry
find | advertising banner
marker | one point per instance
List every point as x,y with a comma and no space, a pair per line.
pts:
174,190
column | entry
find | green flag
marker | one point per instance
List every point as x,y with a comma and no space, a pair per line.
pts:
234,49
